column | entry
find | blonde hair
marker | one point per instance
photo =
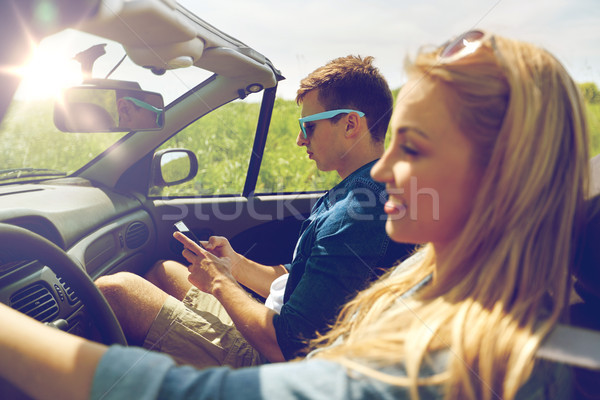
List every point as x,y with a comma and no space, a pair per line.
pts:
507,280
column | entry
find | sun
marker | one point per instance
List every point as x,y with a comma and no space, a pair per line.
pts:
48,71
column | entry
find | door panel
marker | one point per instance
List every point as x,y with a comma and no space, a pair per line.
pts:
263,228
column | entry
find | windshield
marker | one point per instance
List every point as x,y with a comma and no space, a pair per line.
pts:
31,147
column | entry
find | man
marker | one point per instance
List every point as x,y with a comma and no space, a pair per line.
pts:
346,108
135,113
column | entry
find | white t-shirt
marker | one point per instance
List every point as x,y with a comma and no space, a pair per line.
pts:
275,299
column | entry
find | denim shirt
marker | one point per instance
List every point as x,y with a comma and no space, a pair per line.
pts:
342,247
133,373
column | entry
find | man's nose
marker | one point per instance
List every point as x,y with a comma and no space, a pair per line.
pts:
301,140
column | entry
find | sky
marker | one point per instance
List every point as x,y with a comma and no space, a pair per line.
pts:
298,36
301,35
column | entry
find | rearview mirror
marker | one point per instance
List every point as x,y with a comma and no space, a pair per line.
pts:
101,109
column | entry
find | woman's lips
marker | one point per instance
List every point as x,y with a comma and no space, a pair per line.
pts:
394,208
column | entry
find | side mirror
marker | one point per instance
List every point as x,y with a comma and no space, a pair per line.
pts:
104,109
173,166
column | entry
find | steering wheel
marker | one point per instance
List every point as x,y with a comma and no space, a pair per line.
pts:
18,244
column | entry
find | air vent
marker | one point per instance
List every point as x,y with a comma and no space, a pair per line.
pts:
136,235
71,297
36,301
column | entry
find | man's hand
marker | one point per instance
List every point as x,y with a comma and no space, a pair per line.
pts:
207,269
220,246
213,274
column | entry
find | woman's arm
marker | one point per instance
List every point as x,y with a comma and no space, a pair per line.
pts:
44,362
49,364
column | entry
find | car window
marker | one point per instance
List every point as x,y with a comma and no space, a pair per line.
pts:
222,141
31,147
285,166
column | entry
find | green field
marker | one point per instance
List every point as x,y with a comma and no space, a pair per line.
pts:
221,140
593,117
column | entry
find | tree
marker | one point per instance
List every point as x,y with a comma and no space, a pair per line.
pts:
590,92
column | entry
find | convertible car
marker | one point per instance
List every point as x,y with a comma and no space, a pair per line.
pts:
167,121
84,191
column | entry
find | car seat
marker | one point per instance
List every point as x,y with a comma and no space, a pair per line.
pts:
84,117
585,310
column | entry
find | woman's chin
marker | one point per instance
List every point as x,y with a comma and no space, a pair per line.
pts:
393,232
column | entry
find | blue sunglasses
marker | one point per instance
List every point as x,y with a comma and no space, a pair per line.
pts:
325,115
148,107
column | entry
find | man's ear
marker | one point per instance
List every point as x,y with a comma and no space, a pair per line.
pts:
124,109
354,125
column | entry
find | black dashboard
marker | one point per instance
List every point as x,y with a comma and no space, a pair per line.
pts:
101,230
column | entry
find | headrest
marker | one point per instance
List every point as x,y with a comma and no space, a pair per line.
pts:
89,117
587,270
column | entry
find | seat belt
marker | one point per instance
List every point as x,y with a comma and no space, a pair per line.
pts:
572,345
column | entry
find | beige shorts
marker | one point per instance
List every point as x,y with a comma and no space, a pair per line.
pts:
198,331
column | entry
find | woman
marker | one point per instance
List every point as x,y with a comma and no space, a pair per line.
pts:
487,164
509,171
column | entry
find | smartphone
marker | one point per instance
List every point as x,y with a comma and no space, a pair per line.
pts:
182,227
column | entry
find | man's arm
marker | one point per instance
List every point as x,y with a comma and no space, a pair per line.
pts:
251,318
214,275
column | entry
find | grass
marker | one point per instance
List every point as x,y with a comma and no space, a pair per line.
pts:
593,117
222,141
28,138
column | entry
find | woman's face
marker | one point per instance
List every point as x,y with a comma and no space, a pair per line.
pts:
428,169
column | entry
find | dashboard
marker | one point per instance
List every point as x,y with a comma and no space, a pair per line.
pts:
101,230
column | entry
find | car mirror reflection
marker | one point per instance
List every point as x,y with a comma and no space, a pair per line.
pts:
101,109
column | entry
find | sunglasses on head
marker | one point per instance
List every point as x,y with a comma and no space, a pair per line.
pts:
325,115
463,45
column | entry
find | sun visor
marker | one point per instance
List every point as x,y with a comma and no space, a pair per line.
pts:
153,32
238,64
169,56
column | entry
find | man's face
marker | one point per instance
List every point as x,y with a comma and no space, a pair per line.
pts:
134,117
324,141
